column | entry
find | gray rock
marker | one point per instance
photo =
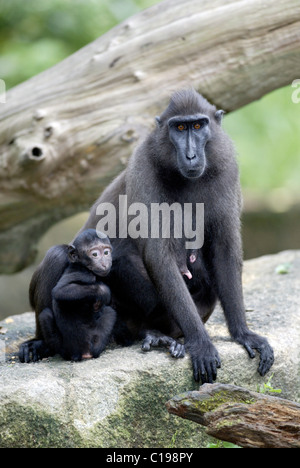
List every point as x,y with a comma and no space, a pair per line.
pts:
118,400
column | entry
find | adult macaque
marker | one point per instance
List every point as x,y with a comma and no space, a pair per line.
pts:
187,158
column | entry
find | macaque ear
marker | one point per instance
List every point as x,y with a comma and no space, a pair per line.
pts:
219,116
72,253
158,121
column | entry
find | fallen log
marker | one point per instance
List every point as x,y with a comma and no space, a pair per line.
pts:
246,418
68,131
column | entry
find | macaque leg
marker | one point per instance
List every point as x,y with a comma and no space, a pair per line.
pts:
105,325
154,339
50,331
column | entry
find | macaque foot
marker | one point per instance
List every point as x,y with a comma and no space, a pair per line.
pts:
156,340
252,342
205,361
177,350
87,356
33,351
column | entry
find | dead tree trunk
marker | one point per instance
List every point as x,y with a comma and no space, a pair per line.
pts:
68,131
237,415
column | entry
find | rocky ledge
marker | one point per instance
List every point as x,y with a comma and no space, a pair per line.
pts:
118,400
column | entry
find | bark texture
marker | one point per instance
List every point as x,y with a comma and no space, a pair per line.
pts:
235,414
68,131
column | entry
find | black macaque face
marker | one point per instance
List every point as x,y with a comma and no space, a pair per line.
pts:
189,135
92,251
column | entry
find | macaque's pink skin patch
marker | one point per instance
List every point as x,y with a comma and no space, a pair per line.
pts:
193,258
188,274
87,356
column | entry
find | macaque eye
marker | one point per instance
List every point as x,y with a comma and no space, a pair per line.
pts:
95,253
180,127
106,252
197,126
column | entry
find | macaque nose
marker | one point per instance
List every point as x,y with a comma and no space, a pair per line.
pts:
190,156
106,266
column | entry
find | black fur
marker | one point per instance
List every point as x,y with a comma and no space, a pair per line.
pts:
74,317
148,288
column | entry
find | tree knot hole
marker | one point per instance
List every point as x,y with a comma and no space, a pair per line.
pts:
37,153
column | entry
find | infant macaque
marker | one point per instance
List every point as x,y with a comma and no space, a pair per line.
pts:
81,321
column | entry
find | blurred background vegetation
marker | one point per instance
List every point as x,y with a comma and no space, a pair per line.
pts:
36,35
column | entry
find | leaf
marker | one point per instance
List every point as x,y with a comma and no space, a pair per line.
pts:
9,320
283,269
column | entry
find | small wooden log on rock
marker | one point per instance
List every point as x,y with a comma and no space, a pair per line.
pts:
235,414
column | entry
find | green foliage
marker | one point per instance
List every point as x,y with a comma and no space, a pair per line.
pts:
265,133
267,387
173,440
222,444
283,268
36,35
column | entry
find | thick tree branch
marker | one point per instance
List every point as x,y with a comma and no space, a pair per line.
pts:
66,132
237,415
